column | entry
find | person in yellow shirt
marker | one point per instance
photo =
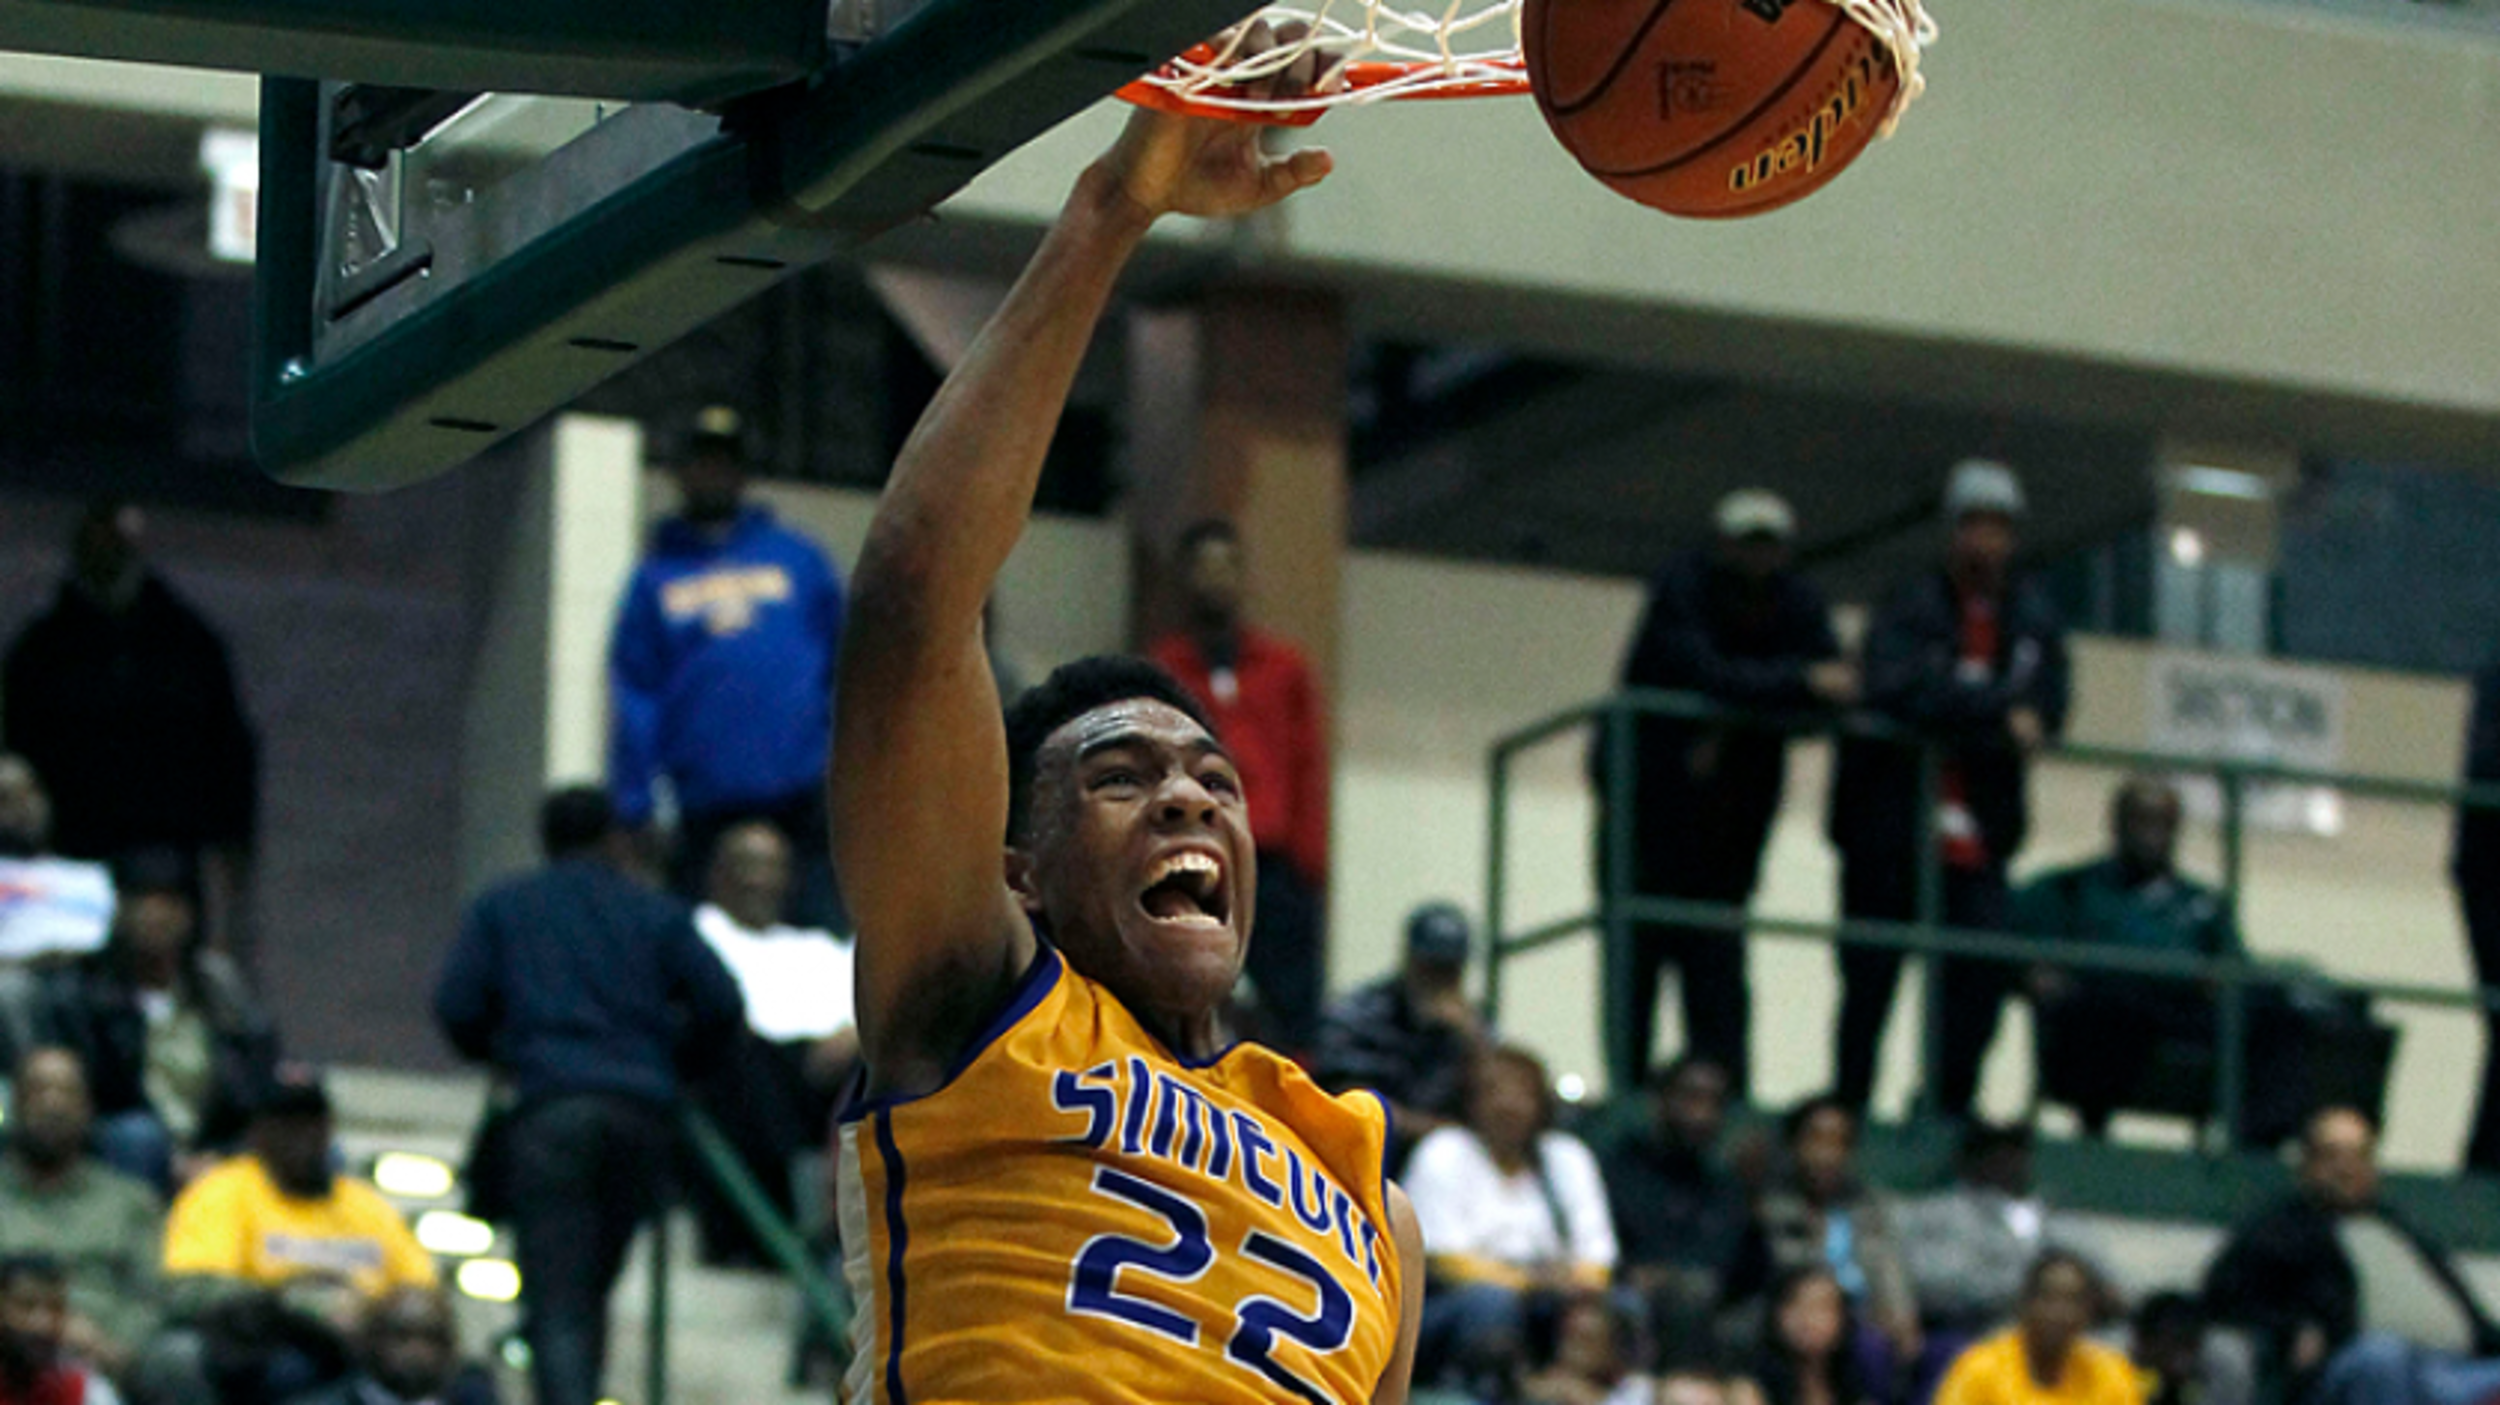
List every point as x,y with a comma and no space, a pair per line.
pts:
2044,1359
280,1218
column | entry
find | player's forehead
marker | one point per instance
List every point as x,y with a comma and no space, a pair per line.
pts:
1148,724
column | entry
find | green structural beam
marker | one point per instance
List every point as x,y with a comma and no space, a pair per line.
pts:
636,49
784,182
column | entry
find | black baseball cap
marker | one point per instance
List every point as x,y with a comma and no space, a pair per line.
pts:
1439,932
293,1090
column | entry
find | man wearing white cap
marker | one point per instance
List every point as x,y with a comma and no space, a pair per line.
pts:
1733,622
1974,658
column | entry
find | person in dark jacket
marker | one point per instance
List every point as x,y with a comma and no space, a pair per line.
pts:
1732,622
580,986
2476,867
2305,1274
721,668
1409,1037
1972,659
174,1043
124,699
1681,1217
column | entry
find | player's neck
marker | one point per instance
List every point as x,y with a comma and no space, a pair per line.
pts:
1193,1038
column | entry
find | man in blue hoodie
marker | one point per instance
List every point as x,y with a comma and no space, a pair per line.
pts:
722,674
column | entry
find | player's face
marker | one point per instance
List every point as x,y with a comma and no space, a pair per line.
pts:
1141,861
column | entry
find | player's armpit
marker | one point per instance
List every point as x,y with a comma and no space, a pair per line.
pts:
918,799
1408,1234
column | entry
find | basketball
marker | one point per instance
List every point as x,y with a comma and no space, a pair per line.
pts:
1708,108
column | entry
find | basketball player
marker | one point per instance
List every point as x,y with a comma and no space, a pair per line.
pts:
1063,1185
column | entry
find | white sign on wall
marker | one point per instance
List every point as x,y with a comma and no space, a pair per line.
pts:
2240,709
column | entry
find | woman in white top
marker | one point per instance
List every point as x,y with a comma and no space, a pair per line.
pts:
1511,1210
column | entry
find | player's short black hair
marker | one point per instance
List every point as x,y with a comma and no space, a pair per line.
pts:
575,818
40,1268
1071,691
1202,531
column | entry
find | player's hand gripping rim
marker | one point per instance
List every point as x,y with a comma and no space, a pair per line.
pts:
1168,163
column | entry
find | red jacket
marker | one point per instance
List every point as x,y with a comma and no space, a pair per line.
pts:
1272,724
57,1385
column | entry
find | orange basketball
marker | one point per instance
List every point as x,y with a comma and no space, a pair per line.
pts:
1708,108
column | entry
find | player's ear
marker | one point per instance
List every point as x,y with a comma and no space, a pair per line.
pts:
1019,866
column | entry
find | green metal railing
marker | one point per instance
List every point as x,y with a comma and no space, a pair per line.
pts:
1619,907
828,1312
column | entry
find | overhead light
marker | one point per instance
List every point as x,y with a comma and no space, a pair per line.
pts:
413,1177
2223,482
489,1280
1571,1087
454,1235
2187,546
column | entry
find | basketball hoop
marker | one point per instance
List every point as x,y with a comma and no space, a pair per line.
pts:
1388,52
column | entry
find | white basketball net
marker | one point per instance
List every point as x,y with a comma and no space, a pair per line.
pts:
1462,48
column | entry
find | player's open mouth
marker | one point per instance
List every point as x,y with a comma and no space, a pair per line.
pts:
1186,889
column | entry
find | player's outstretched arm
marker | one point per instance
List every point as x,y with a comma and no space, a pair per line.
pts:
919,776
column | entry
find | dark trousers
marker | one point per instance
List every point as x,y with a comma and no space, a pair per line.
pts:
2482,934
587,1169
1970,994
1702,851
815,896
2107,1031
1288,954
757,1093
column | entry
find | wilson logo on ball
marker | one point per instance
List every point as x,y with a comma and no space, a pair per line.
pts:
1803,149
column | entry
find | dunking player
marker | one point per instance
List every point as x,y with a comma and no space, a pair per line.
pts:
1064,1186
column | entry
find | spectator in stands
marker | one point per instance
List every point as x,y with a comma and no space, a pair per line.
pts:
2350,1303
407,1353
123,697
2167,1341
2045,1359
270,1259
2476,867
50,907
771,1086
103,1228
722,672
1971,1247
39,1365
1806,1352
280,1216
1591,1357
576,983
1680,1217
1972,658
173,1041
1732,622
1265,701
1409,1036
1513,1213
2100,1029
1816,1211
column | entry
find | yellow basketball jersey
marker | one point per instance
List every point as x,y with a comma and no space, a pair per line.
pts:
1079,1216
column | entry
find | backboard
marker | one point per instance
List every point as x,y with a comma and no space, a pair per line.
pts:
439,267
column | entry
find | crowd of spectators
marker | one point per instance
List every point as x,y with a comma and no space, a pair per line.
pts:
175,1228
